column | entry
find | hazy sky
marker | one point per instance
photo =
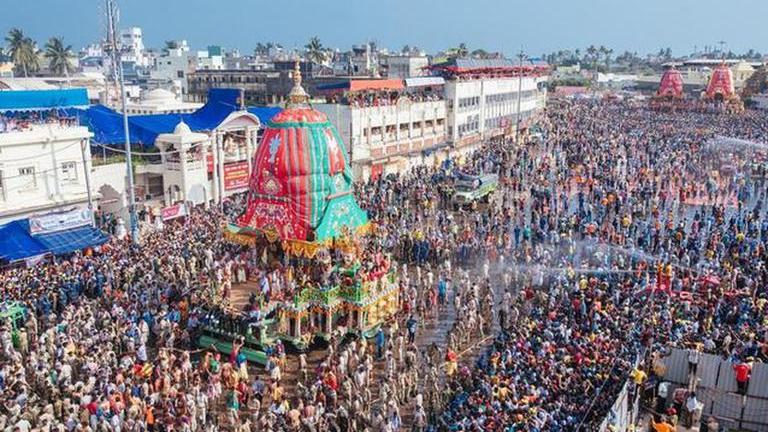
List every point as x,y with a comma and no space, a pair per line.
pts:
539,25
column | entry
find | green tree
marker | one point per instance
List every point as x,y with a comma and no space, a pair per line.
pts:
480,53
59,56
22,51
593,55
462,50
315,50
606,53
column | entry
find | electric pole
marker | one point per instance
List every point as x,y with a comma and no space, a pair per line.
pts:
117,63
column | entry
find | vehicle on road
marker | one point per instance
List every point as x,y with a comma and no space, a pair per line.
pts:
470,189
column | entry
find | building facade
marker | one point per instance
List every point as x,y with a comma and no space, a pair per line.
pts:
486,107
160,101
199,167
483,95
261,87
172,66
43,168
389,126
132,47
405,66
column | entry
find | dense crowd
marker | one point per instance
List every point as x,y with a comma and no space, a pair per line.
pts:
622,232
28,121
640,233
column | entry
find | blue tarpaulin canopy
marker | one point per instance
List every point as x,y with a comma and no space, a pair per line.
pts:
16,243
107,124
38,100
64,242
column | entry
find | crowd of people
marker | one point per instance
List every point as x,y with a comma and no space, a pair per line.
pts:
638,234
376,98
621,233
27,121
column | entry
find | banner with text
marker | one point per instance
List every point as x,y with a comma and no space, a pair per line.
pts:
174,211
52,222
235,175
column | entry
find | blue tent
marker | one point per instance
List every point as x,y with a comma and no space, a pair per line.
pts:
107,124
16,243
38,100
75,239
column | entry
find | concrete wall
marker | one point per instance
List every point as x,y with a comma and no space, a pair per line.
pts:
109,181
42,169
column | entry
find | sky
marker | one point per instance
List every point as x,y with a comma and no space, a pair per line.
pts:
538,26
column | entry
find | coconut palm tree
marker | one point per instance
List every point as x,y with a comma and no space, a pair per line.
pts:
59,56
462,50
606,53
315,50
480,53
22,51
593,54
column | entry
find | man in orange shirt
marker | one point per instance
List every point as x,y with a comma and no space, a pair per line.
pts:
663,426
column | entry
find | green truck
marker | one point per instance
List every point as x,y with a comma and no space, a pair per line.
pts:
470,189
222,329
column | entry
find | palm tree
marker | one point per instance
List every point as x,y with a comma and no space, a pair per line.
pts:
59,56
315,50
606,52
480,53
22,51
462,50
593,55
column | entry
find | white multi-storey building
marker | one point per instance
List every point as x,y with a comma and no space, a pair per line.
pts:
132,43
206,61
482,97
487,107
172,66
389,126
42,168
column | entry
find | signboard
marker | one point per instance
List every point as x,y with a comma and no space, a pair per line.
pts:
174,211
52,222
235,175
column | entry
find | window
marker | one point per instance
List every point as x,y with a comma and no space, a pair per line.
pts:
69,172
28,178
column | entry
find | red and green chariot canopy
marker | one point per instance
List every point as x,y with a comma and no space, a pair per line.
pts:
301,184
